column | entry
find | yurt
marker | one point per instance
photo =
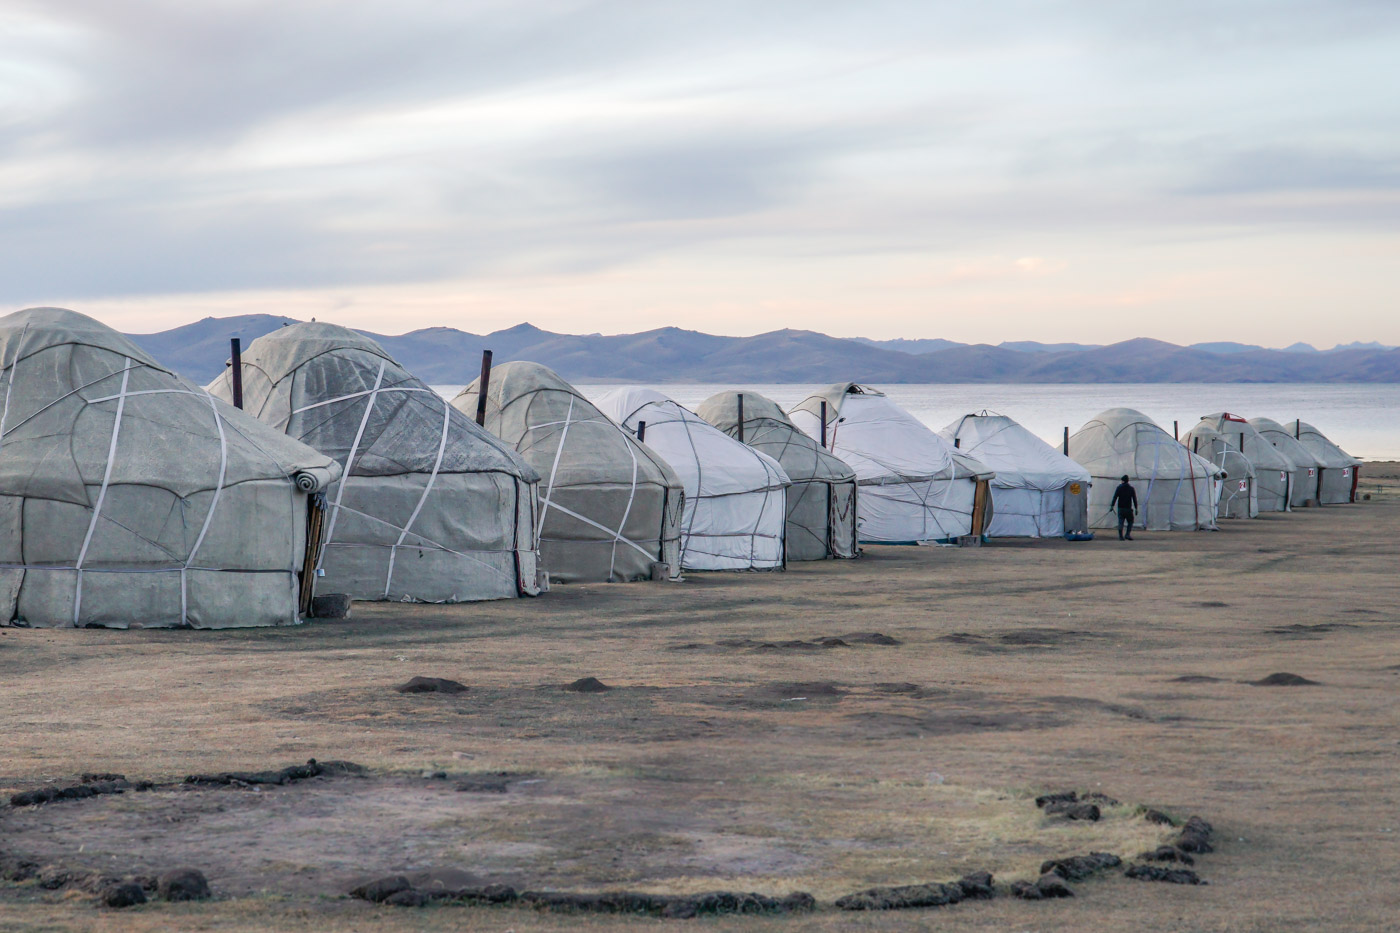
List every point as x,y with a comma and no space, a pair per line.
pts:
735,496
1037,492
1307,467
431,507
1275,476
1337,483
821,502
133,499
1175,488
610,507
1239,496
914,486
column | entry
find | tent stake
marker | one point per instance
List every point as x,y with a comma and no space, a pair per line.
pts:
482,385
741,417
236,364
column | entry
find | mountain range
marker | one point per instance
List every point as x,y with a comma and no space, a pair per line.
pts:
447,356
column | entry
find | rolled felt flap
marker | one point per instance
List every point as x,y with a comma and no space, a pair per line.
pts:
315,479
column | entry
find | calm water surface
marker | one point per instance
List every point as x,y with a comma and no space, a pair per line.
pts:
1363,419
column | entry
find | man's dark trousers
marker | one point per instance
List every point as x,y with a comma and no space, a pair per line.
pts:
1125,519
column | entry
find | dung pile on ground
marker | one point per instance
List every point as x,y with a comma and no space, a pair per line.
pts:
288,775
1047,886
1158,873
42,795
432,685
1283,679
1079,867
934,894
398,891
1072,806
587,685
820,643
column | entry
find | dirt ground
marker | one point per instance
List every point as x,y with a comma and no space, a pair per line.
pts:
726,759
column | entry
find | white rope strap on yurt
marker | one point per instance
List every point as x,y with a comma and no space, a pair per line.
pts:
101,493
631,496
10,383
427,488
554,469
361,394
350,462
208,516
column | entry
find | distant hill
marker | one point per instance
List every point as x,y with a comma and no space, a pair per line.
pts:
447,356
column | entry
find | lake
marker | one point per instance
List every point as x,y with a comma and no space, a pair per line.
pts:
1363,419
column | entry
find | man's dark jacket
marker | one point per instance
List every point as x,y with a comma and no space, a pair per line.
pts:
1125,498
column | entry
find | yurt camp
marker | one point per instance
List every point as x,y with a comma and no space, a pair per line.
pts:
610,506
821,502
431,507
1175,488
914,486
131,498
1337,482
1239,495
1275,476
1307,468
735,497
1037,492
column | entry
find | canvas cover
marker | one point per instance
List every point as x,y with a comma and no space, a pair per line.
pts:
1307,468
432,507
1339,468
611,507
1175,488
130,497
735,496
821,502
1036,488
914,486
1275,475
1239,493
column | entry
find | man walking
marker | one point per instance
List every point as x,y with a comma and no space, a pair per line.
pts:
1125,499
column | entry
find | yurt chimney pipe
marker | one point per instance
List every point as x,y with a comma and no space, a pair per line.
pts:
741,417
823,424
483,385
1066,449
236,370
642,431
1176,431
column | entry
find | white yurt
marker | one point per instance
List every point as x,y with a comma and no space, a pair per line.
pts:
914,486
1275,476
1037,492
610,507
1239,497
132,498
821,502
735,497
1340,470
1307,468
1175,488
431,507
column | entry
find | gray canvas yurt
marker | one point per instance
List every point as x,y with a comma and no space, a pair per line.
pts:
132,498
1275,476
1175,488
735,496
914,485
1239,496
1037,491
821,502
432,508
1307,469
1340,469
610,507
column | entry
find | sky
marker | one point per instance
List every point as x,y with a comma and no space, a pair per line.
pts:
1008,170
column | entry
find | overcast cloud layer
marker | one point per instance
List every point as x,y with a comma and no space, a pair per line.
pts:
980,171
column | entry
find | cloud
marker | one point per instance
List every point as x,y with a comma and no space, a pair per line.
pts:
155,147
